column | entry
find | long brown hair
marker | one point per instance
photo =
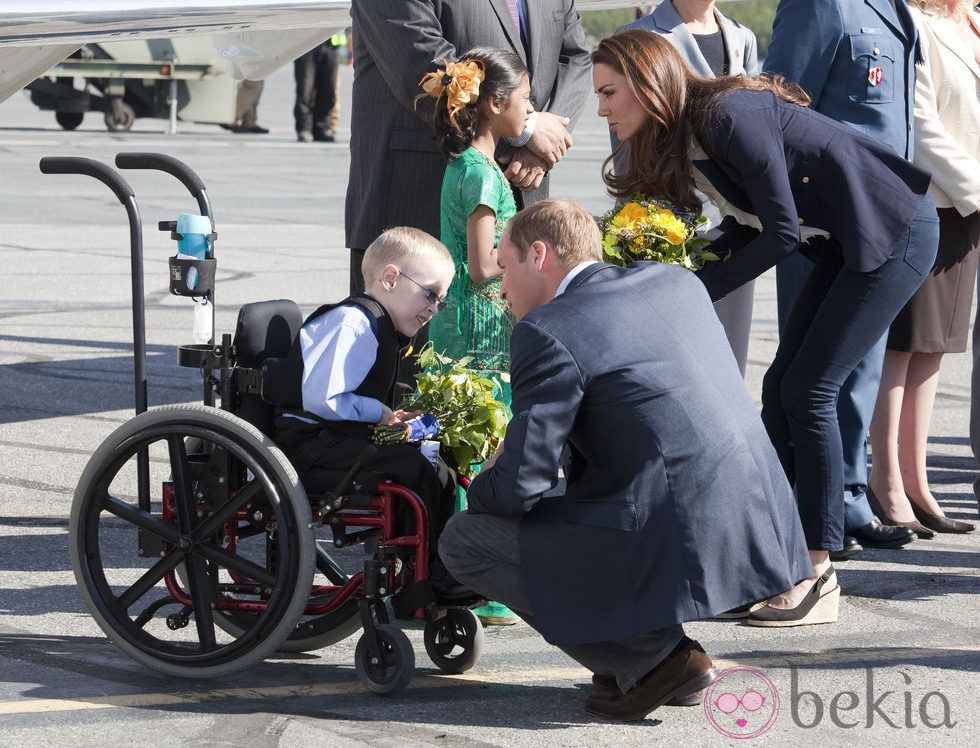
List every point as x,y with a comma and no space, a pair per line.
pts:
677,103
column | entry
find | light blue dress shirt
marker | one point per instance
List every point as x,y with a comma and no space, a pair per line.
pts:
339,348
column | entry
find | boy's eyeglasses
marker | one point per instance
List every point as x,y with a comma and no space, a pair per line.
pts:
430,296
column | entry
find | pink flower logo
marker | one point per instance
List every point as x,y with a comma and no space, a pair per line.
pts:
741,703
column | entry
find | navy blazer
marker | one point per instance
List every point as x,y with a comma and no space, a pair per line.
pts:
790,166
831,47
676,506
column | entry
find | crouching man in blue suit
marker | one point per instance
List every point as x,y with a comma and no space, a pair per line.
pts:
675,508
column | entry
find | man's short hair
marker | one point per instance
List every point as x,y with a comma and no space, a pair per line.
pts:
567,227
401,245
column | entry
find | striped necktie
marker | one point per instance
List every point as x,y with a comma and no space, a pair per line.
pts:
516,15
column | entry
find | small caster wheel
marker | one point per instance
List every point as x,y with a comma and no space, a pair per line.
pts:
177,621
119,116
392,671
455,642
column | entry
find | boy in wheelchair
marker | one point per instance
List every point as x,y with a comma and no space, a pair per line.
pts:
348,354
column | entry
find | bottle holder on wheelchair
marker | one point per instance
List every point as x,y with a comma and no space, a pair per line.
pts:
199,356
204,270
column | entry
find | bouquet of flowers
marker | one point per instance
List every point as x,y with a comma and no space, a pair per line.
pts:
648,229
471,421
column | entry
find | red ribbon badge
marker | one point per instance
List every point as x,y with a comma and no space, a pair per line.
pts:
874,76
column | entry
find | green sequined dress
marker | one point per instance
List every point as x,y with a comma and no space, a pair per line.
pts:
476,322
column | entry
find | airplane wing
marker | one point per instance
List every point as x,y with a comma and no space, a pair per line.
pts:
255,37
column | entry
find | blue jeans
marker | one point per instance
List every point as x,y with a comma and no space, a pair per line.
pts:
836,321
857,397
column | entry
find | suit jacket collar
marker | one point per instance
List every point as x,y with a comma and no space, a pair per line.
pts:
901,23
666,18
586,274
507,21
947,37
723,178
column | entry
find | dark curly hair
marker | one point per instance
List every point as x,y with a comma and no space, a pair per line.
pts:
503,73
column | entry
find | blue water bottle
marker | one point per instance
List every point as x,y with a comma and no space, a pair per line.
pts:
193,245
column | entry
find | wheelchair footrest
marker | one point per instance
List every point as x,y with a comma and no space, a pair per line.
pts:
411,598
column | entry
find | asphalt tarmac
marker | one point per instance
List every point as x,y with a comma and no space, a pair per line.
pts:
900,667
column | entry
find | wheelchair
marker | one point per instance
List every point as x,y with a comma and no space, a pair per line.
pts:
194,544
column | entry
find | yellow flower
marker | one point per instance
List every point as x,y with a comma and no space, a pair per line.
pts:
632,212
672,227
677,234
646,229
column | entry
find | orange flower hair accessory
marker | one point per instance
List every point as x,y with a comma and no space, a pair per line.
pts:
460,81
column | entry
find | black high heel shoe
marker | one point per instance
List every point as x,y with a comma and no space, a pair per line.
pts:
819,606
921,530
940,524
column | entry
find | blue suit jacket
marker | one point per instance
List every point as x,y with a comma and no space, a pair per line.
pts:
835,48
676,506
790,166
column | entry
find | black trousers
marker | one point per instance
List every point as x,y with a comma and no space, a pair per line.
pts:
323,455
316,77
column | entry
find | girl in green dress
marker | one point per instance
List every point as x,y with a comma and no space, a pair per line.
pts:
482,99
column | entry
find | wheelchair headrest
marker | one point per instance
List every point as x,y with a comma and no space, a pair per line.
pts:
266,329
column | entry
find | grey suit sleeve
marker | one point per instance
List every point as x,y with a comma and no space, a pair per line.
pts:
805,58
403,36
574,68
547,391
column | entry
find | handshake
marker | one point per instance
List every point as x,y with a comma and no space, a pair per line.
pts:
526,165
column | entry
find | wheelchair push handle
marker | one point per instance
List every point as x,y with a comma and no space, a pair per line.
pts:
89,167
172,166
366,455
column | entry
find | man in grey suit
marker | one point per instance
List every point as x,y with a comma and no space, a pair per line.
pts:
713,45
675,506
396,169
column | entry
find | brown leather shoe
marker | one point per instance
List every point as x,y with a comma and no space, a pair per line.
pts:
680,676
922,531
940,523
605,687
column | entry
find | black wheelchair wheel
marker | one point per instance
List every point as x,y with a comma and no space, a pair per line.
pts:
315,631
455,642
391,671
331,569
124,555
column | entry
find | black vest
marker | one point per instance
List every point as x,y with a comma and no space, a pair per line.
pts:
283,378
